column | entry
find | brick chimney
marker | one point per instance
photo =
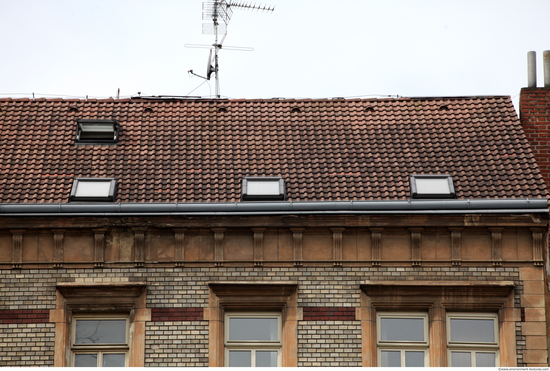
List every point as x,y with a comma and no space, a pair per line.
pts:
534,111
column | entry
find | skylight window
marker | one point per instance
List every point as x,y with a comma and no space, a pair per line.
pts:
432,186
93,189
97,131
263,189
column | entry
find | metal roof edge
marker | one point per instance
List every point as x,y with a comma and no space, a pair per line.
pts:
446,206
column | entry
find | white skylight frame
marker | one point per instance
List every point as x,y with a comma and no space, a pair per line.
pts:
93,189
263,189
428,186
97,131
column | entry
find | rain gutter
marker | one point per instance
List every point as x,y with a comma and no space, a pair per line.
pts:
253,208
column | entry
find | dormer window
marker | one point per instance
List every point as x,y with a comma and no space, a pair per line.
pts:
93,189
263,189
432,186
97,131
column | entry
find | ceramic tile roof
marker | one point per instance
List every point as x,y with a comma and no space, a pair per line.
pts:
326,149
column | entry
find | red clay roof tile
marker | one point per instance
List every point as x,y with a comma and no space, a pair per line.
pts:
191,151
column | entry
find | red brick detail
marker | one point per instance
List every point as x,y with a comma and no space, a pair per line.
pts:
329,314
176,314
24,316
534,108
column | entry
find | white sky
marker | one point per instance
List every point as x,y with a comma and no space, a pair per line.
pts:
304,49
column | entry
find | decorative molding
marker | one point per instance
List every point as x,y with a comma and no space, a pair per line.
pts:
496,245
416,242
218,245
58,248
99,246
337,246
297,237
456,246
179,249
17,247
376,240
258,246
139,245
538,246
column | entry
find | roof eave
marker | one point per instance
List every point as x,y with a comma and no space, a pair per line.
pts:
442,206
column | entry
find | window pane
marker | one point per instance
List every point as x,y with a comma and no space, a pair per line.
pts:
461,359
111,331
240,358
414,359
402,329
473,330
253,329
391,358
93,189
85,360
114,360
485,359
432,186
270,187
266,358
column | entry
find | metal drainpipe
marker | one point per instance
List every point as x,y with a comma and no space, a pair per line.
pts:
546,61
532,69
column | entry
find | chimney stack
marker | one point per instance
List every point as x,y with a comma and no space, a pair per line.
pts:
532,69
546,61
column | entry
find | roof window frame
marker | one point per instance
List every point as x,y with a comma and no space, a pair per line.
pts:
97,140
109,198
246,196
415,194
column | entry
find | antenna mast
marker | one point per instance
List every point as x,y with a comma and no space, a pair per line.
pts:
223,9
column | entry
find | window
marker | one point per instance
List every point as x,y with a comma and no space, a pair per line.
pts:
432,186
486,332
97,131
263,189
472,339
402,339
262,306
93,189
253,340
98,341
112,311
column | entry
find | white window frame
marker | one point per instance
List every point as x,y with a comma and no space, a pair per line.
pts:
253,345
100,349
402,346
473,347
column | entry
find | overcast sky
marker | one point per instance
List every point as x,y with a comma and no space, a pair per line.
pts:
303,49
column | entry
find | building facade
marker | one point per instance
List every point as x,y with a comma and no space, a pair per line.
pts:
157,232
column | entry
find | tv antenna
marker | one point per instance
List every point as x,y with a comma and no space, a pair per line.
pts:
216,10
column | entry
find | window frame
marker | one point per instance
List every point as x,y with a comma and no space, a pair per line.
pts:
116,131
414,189
104,348
281,196
109,198
401,345
253,345
473,347
74,298
259,296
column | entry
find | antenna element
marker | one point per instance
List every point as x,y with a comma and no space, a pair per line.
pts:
221,9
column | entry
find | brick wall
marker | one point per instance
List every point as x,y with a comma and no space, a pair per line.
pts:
329,335
534,107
